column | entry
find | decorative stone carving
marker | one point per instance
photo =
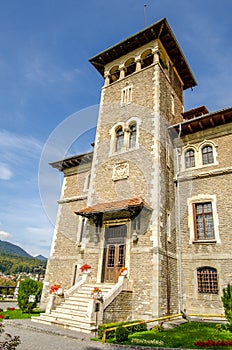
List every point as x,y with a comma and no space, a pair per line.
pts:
120,171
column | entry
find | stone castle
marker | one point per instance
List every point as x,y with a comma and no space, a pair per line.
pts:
154,196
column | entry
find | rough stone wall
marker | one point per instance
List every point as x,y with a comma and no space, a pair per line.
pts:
66,251
212,180
120,310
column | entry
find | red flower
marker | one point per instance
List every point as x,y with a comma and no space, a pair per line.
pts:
54,288
85,267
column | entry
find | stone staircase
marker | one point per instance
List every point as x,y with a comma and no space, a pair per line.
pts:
76,311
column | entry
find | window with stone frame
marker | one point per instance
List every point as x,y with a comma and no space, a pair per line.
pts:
203,221
207,155
189,158
119,139
207,280
132,135
126,96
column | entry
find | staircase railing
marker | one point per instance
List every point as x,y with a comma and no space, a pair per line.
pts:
76,286
107,299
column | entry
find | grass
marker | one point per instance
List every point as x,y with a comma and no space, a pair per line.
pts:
182,336
18,314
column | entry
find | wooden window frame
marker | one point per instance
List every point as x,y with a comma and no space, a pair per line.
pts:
189,158
204,215
207,156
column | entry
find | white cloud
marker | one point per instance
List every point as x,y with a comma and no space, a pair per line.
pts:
41,69
4,235
5,172
10,141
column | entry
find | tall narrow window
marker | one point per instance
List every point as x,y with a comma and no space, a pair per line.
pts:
133,132
82,230
203,219
207,155
189,158
119,140
172,104
126,96
207,280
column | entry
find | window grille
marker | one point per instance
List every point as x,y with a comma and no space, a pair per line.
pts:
207,280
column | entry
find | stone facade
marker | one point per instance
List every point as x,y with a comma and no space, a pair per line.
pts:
129,202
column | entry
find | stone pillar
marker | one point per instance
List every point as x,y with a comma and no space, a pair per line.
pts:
122,71
138,63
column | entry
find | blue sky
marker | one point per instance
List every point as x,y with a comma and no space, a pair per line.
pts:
46,82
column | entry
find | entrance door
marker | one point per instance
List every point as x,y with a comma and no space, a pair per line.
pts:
114,252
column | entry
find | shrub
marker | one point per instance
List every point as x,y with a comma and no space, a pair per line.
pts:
227,302
121,334
111,334
26,289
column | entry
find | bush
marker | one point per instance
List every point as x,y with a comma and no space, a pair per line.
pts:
111,334
121,334
28,288
227,303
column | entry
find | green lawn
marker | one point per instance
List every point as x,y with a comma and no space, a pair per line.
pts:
182,336
18,314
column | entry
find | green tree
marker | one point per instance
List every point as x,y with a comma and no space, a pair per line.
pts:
29,288
227,303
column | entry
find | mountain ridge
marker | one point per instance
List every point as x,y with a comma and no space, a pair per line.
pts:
8,248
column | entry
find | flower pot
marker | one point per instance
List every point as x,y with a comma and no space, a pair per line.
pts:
87,271
59,291
124,273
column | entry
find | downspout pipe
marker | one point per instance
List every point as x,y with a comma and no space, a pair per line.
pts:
178,223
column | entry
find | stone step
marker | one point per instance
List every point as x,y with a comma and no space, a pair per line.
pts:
81,327
72,312
65,318
70,307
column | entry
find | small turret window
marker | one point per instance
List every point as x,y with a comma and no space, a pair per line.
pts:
114,74
130,66
147,58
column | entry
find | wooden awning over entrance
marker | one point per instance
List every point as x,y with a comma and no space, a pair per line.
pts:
126,205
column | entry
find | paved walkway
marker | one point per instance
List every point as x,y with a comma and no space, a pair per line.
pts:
42,337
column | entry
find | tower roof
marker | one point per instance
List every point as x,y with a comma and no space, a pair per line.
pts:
159,30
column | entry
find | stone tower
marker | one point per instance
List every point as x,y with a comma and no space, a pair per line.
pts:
128,215
131,195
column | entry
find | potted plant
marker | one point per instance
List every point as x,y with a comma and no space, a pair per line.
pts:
85,268
56,289
97,293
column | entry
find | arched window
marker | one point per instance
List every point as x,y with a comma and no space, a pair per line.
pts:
207,155
189,158
119,139
130,66
207,280
132,137
114,74
147,58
